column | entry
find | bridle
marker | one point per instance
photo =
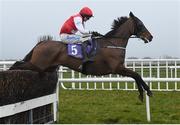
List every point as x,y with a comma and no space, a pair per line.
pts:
113,46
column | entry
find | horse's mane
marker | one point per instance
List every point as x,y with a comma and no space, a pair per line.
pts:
116,24
45,38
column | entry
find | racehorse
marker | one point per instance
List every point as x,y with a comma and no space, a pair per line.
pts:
109,58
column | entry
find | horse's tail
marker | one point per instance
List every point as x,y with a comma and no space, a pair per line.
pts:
27,58
23,64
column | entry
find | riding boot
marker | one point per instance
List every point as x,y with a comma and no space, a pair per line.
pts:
86,58
85,54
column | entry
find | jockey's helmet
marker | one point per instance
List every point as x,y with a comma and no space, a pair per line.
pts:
86,12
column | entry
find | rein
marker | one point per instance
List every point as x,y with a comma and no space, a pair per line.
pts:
115,47
98,37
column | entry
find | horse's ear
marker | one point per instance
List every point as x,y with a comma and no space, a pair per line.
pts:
131,14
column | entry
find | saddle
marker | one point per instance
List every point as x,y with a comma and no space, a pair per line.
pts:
90,47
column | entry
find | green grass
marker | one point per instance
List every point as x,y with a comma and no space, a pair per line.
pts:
121,107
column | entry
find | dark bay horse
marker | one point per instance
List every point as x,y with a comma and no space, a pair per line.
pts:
108,60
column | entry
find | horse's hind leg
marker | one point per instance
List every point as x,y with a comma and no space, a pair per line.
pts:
146,87
140,83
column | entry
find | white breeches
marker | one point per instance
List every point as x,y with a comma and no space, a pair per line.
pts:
73,38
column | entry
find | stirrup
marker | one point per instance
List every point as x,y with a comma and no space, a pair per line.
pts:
81,67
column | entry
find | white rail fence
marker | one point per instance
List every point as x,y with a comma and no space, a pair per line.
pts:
160,74
29,105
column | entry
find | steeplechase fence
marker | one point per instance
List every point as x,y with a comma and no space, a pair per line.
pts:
27,98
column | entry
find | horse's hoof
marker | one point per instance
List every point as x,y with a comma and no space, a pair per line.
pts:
149,93
141,98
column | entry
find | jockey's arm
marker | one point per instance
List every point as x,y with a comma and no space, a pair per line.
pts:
80,27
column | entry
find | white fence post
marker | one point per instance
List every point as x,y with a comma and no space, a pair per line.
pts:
148,108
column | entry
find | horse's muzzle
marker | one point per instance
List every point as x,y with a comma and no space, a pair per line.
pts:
150,38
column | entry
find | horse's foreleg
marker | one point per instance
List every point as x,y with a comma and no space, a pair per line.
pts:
139,81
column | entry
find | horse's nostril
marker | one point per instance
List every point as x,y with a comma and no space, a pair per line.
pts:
150,38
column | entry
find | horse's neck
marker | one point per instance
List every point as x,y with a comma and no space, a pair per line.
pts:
125,30
124,33
117,42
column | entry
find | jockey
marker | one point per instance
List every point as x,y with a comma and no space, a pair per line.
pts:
74,24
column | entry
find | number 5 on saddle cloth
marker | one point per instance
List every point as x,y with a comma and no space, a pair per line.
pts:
76,49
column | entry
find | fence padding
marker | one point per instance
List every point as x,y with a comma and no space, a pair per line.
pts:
21,85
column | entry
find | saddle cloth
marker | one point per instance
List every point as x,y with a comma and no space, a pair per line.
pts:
75,49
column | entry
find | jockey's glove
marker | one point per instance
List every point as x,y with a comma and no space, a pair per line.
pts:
94,34
87,35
